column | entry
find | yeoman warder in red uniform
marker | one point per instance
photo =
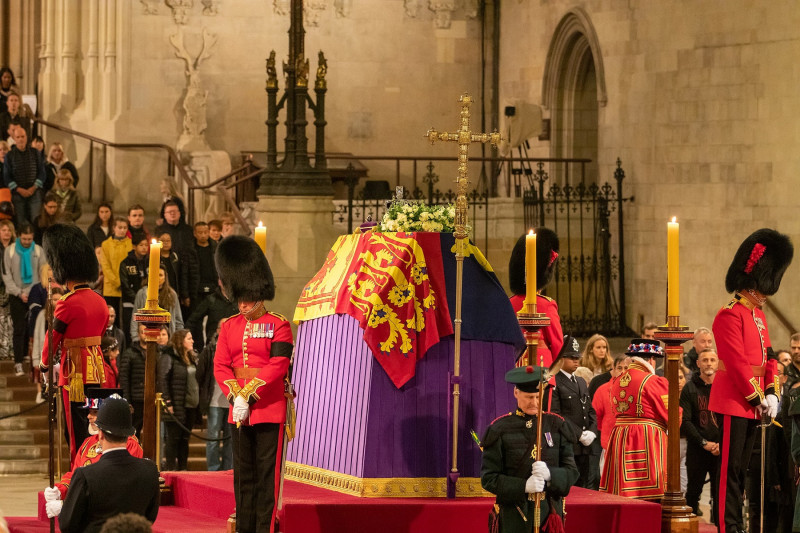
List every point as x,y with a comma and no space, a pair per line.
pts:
251,362
744,386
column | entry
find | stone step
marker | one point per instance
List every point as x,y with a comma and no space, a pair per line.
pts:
6,394
18,452
12,408
25,422
37,466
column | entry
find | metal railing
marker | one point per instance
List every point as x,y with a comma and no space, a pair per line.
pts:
173,161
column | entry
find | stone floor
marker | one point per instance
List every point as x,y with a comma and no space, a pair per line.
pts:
18,494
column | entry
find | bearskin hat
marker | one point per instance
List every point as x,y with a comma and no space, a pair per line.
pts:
70,254
243,270
760,262
546,258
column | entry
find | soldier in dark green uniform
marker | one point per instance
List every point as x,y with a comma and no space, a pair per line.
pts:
508,469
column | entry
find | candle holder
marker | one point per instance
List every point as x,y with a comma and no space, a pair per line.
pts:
153,317
531,322
676,516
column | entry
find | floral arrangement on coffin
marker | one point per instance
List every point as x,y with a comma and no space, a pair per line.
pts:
408,217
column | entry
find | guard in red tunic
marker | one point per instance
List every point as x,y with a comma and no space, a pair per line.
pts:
89,452
80,318
636,458
251,364
551,338
745,385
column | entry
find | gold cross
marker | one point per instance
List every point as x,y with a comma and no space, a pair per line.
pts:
463,137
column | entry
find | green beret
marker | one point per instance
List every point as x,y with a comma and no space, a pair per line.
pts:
526,378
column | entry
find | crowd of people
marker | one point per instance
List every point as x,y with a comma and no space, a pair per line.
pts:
612,409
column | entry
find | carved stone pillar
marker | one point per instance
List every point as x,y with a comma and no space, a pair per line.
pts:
109,74
68,54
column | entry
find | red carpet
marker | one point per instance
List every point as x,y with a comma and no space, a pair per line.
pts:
203,501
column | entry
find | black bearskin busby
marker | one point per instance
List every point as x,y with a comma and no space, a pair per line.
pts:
70,254
243,270
546,259
760,262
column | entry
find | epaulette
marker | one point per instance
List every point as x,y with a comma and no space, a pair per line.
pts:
499,417
277,315
730,304
67,295
545,297
554,414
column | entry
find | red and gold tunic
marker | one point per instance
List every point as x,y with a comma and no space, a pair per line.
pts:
636,457
551,338
252,360
80,318
745,375
89,453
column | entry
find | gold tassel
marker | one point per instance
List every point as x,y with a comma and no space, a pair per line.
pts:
292,422
76,387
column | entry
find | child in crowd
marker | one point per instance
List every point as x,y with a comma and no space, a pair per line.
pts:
215,230
115,250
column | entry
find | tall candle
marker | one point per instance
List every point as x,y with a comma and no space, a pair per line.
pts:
672,269
530,269
261,237
152,275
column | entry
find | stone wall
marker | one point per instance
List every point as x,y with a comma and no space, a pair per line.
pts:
394,69
701,107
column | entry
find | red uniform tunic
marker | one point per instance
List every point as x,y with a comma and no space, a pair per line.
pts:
89,453
80,318
636,458
606,414
551,338
745,375
245,365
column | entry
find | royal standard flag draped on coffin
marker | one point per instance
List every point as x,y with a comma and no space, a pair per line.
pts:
401,287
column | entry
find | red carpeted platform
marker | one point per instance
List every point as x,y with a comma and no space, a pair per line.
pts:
203,501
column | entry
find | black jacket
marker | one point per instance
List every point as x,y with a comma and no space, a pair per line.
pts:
117,483
172,376
131,373
571,400
205,373
132,276
215,307
698,421
598,380
97,235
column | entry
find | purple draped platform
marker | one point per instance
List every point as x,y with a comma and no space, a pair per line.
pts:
352,420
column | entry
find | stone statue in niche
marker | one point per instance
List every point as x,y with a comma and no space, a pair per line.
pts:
194,103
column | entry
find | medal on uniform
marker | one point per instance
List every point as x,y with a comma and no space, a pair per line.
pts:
270,331
549,438
529,424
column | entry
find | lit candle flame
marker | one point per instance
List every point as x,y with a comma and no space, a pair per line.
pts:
674,219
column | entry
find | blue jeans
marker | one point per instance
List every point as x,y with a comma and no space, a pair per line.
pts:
26,209
219,454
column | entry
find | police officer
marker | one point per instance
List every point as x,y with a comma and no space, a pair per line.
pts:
509,470
571,400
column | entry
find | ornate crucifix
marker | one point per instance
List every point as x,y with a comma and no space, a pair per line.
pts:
464,137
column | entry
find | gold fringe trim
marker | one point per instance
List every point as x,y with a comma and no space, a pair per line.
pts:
423,487
75,388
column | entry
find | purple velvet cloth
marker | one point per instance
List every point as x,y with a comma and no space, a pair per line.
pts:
351,419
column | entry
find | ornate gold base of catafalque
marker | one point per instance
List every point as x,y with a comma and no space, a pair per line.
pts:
429,487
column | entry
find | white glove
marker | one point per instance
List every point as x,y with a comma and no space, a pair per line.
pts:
535,483
53,508
540,469
51,494
587,438
241,409
772,405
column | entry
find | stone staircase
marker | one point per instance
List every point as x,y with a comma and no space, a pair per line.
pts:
23,438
